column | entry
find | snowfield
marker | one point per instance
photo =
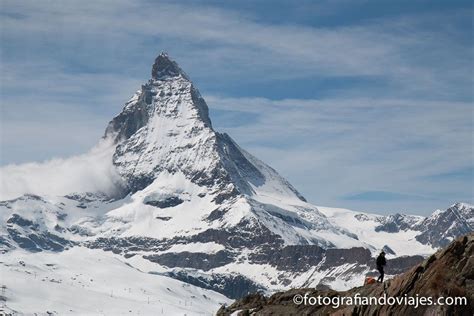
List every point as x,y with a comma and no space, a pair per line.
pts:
403,243
82,281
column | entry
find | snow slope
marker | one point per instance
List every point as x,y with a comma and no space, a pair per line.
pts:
364,225
83,281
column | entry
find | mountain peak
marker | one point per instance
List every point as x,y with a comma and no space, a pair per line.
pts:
165,128
164,67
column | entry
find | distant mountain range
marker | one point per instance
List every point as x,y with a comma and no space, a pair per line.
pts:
190,204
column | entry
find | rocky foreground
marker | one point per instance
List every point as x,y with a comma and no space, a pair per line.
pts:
447,273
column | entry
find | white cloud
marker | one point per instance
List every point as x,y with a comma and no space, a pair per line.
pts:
90,172
53,113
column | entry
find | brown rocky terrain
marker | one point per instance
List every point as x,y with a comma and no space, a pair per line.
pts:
447,273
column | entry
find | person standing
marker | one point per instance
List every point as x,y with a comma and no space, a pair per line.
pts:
381,262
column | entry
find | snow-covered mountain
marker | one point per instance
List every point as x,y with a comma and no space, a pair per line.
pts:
191,204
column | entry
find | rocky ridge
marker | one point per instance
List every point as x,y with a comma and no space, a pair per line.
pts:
447,273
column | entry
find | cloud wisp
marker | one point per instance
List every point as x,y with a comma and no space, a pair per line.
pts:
90,172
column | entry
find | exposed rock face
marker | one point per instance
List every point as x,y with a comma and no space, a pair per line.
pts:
233,285
397,222
442,227
164,68
35,234
448,273
169,201
195,260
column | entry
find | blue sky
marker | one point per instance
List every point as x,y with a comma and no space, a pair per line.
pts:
360,104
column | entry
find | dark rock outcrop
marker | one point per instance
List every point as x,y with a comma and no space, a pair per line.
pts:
38,241
233,285
165,203
165,67
195,260
31,236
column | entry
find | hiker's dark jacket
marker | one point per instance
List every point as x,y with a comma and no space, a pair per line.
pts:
381,261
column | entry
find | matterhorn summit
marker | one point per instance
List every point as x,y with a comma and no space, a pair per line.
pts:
165,128
195,207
